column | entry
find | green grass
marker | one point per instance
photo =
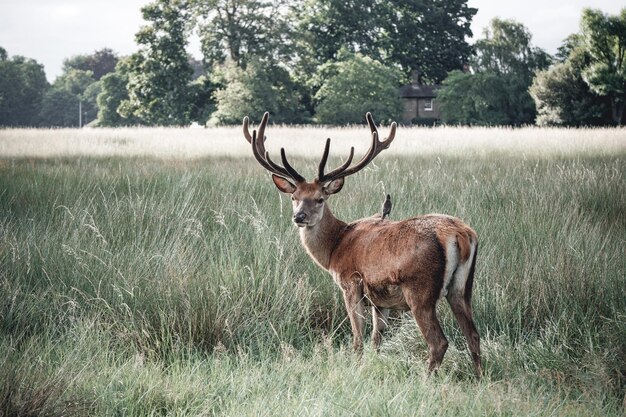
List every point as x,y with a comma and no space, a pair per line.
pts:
135,286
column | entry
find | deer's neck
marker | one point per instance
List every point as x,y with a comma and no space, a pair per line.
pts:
320,240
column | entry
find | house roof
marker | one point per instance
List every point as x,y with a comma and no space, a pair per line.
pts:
419,91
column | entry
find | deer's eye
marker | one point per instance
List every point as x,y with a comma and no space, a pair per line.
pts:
319,200
293,198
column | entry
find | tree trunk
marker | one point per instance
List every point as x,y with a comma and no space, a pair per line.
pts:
617,110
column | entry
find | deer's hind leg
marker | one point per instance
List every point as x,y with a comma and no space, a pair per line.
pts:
460,297
423,307
463,314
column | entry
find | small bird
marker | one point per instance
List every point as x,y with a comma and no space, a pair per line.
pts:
386,206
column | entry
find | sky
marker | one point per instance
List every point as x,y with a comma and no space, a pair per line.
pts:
51,30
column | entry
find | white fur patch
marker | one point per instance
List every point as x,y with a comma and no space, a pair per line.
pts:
452,261
462,273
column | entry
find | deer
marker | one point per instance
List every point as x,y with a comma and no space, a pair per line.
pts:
406,265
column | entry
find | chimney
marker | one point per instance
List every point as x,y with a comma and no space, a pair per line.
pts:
415,78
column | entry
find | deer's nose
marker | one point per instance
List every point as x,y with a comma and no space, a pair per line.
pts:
299,217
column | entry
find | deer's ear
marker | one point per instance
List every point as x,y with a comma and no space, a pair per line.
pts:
334,186
283,185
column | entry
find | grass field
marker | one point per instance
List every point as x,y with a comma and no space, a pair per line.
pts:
157,272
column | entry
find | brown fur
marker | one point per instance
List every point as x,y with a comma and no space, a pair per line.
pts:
404,265
394,265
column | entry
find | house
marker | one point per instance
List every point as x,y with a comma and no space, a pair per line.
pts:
420,104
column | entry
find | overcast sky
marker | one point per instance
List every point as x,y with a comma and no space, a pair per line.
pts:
51,30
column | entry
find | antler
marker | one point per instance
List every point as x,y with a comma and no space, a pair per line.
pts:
375,148
263,157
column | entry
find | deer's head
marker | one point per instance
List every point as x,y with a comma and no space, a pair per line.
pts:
309,198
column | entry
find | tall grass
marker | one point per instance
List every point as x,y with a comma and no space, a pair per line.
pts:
142,286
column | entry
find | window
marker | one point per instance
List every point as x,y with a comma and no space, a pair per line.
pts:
428,104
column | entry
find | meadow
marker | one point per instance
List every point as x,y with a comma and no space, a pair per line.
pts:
157,272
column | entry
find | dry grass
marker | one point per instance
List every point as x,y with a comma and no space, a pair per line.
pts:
184,143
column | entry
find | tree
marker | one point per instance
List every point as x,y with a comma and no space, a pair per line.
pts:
562,96
497,91
506,49
358,84
203,102
251,91
427,35
326,27
22,87
59,108
474,99
62,102
113,93
571,43
99,63
605,40
236,29
158,92
89,100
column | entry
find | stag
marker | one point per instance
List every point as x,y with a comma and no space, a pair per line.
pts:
400,265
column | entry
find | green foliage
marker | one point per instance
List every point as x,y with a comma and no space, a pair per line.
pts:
114,92
160,72
485,99
61,103
89,100
569,45
562,96
497,92
260,87
74,81
236,30
473,99
588,86
203,102
326,27
59,108
605,40
506,49
99,63
397,32
22,88
413,30
355,85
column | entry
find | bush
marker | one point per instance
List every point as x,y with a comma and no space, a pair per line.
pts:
258,88
358,84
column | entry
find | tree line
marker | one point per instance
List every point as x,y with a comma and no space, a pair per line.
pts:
326,61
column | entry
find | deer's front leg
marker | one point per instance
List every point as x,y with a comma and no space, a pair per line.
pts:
353,297
380,317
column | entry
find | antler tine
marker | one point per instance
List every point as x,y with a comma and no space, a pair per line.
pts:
334,173
246,132
261,134
263,158
322,164
294,174
375,148
392,133
287,171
